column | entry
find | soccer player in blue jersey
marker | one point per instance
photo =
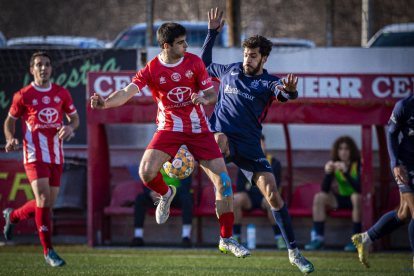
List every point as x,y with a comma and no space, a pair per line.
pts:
246,92
402,161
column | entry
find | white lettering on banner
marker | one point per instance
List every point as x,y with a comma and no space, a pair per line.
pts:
311,85
376,90
97,85
121,82
400,87
350,88
328,87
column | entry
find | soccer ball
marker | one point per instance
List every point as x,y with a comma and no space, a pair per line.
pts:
182,165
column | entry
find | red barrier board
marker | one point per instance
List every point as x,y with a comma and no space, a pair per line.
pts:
15,191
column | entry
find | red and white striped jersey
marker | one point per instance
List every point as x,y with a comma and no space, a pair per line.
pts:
171,86
41,111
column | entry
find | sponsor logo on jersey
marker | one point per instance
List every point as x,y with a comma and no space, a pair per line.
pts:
261,160
43,228
234,73
48,115
204,82
189,74
162,80
46,100
56,99
34,102
393,118
254,84
176,77
231,90
179,94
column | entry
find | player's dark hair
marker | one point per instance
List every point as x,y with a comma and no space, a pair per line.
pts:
354,154
168,32
39,54
262,42
263,138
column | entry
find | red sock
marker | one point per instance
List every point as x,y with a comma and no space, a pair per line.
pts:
158,185
226,221
25,212
43,226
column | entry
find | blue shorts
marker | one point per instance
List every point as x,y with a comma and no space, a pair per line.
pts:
256,200
246,152
409,169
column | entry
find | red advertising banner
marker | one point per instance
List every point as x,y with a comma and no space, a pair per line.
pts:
353,88
15,191
105,83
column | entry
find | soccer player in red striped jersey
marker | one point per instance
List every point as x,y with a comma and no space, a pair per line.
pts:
180,86
41,105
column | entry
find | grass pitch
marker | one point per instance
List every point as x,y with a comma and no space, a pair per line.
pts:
81,260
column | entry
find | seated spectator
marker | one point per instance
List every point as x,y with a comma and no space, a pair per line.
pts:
345,167
183,199
248,197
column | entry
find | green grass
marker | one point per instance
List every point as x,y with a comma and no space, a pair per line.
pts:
81,260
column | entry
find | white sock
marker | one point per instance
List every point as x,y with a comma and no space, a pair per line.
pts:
291,251
186,231
139,233
278,237
167,195
366,238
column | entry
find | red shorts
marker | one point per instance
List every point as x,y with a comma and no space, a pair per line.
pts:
38,169
202,146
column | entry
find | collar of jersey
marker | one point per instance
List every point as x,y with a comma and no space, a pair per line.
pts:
256,76
42,89
167,64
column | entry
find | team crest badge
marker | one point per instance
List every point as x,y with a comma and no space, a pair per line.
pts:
162,80
254,84
176,77
46,100
56,99
34,102
189,74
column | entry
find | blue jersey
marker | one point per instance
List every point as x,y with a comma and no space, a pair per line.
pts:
243,100
402,120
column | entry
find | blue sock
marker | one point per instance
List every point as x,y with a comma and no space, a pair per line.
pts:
411,234
282,219
357,228
276,230
386,224
236,230
319,227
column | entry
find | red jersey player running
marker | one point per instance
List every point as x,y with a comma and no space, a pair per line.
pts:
180,85
41,105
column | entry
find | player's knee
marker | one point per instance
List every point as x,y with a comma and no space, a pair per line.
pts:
320,198
43,201
226,182
146,174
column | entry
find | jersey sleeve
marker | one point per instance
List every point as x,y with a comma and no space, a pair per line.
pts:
202,78
17,106
142,79
396,124
216,71
68,106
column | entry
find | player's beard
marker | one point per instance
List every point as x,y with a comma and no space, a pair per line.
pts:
254,70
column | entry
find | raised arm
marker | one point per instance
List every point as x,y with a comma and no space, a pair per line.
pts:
215,26
208,97
116,98
288,90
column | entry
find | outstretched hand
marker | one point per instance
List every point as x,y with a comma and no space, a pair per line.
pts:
289,86
214,20
97,101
